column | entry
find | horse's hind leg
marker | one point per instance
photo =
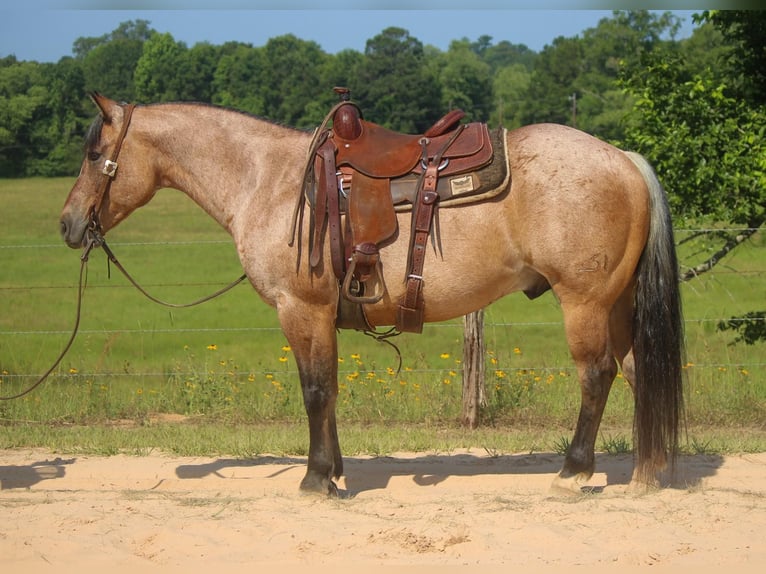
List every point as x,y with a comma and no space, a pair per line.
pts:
587,329
310,330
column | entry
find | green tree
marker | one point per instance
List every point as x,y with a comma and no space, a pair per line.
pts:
745,30
395,86
703,125
59,132
160,74
509,86
338,70
197,69
23,99
465,81
504,54
110,60
575,79
289,78
237,77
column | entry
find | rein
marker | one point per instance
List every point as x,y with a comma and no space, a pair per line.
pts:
113,258
80,290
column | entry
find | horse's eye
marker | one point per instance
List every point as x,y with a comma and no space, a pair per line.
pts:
93,155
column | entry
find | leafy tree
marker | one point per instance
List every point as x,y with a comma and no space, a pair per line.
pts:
509,86
465,81
23,99
504,54
135,30
197,68
290,78
395,87
575,79
746,31
704,128
110,60
552,83
58,134
236,78
159,74
340,69
109,68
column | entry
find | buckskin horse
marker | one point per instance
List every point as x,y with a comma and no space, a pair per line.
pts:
576,215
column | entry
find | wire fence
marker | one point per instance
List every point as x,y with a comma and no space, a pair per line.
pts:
754,274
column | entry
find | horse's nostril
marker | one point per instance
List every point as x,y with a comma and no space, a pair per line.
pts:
63,228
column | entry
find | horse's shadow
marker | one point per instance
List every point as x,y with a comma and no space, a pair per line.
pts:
367,474
27,475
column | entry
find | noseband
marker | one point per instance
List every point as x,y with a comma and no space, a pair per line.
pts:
110,171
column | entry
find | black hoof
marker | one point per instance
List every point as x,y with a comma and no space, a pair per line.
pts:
314,484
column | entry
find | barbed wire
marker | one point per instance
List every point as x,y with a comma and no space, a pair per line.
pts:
568,370
62,246
454,325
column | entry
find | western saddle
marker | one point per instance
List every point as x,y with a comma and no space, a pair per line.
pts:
367,172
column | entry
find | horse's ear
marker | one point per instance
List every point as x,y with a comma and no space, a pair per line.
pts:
104,104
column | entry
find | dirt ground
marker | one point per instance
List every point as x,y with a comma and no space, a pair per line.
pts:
422,511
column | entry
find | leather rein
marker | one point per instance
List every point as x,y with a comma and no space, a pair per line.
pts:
95,238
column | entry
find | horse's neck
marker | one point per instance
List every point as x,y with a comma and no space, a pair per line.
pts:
224,160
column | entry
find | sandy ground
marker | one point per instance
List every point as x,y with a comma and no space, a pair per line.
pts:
411,510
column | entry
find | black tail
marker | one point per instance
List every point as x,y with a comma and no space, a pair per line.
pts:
658,339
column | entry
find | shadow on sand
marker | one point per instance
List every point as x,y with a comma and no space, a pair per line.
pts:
365,474
27,475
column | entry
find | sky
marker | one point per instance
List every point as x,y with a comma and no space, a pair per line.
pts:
42,34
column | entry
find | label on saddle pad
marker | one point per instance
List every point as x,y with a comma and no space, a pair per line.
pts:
462,185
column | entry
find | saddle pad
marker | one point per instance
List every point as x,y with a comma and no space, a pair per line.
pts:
463,188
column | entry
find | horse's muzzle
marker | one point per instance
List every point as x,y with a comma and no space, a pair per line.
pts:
73,231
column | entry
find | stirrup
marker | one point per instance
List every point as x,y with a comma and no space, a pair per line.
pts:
363,299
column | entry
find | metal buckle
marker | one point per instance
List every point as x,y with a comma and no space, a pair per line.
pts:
110,168
444,163
344,184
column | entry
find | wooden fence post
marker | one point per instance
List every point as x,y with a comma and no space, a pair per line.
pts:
473,368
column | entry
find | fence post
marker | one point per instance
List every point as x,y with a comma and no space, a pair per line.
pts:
473,368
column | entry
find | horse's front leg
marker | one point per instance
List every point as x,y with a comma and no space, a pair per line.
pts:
310,330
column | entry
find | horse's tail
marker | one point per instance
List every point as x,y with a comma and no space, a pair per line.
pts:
658,339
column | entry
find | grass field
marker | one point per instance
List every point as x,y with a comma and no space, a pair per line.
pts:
226,368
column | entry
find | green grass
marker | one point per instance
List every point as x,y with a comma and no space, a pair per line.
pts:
225,364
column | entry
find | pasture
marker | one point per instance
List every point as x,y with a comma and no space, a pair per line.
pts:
226,371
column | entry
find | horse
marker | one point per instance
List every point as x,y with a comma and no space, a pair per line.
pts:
579,217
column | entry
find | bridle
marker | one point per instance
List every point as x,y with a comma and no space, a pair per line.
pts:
94,238
110,171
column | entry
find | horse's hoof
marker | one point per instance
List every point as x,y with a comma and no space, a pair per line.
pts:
321,486
569,485
641,487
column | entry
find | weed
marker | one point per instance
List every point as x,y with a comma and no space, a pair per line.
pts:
561,445
616,445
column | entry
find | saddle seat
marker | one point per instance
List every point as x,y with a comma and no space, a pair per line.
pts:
361,169
379,152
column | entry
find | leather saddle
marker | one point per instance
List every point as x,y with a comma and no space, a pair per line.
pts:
367,172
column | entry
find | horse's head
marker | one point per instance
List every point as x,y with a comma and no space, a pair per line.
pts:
105,194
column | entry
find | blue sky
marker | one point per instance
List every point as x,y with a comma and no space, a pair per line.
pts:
46,35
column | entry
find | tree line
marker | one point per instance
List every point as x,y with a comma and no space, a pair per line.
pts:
398,82
695,107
